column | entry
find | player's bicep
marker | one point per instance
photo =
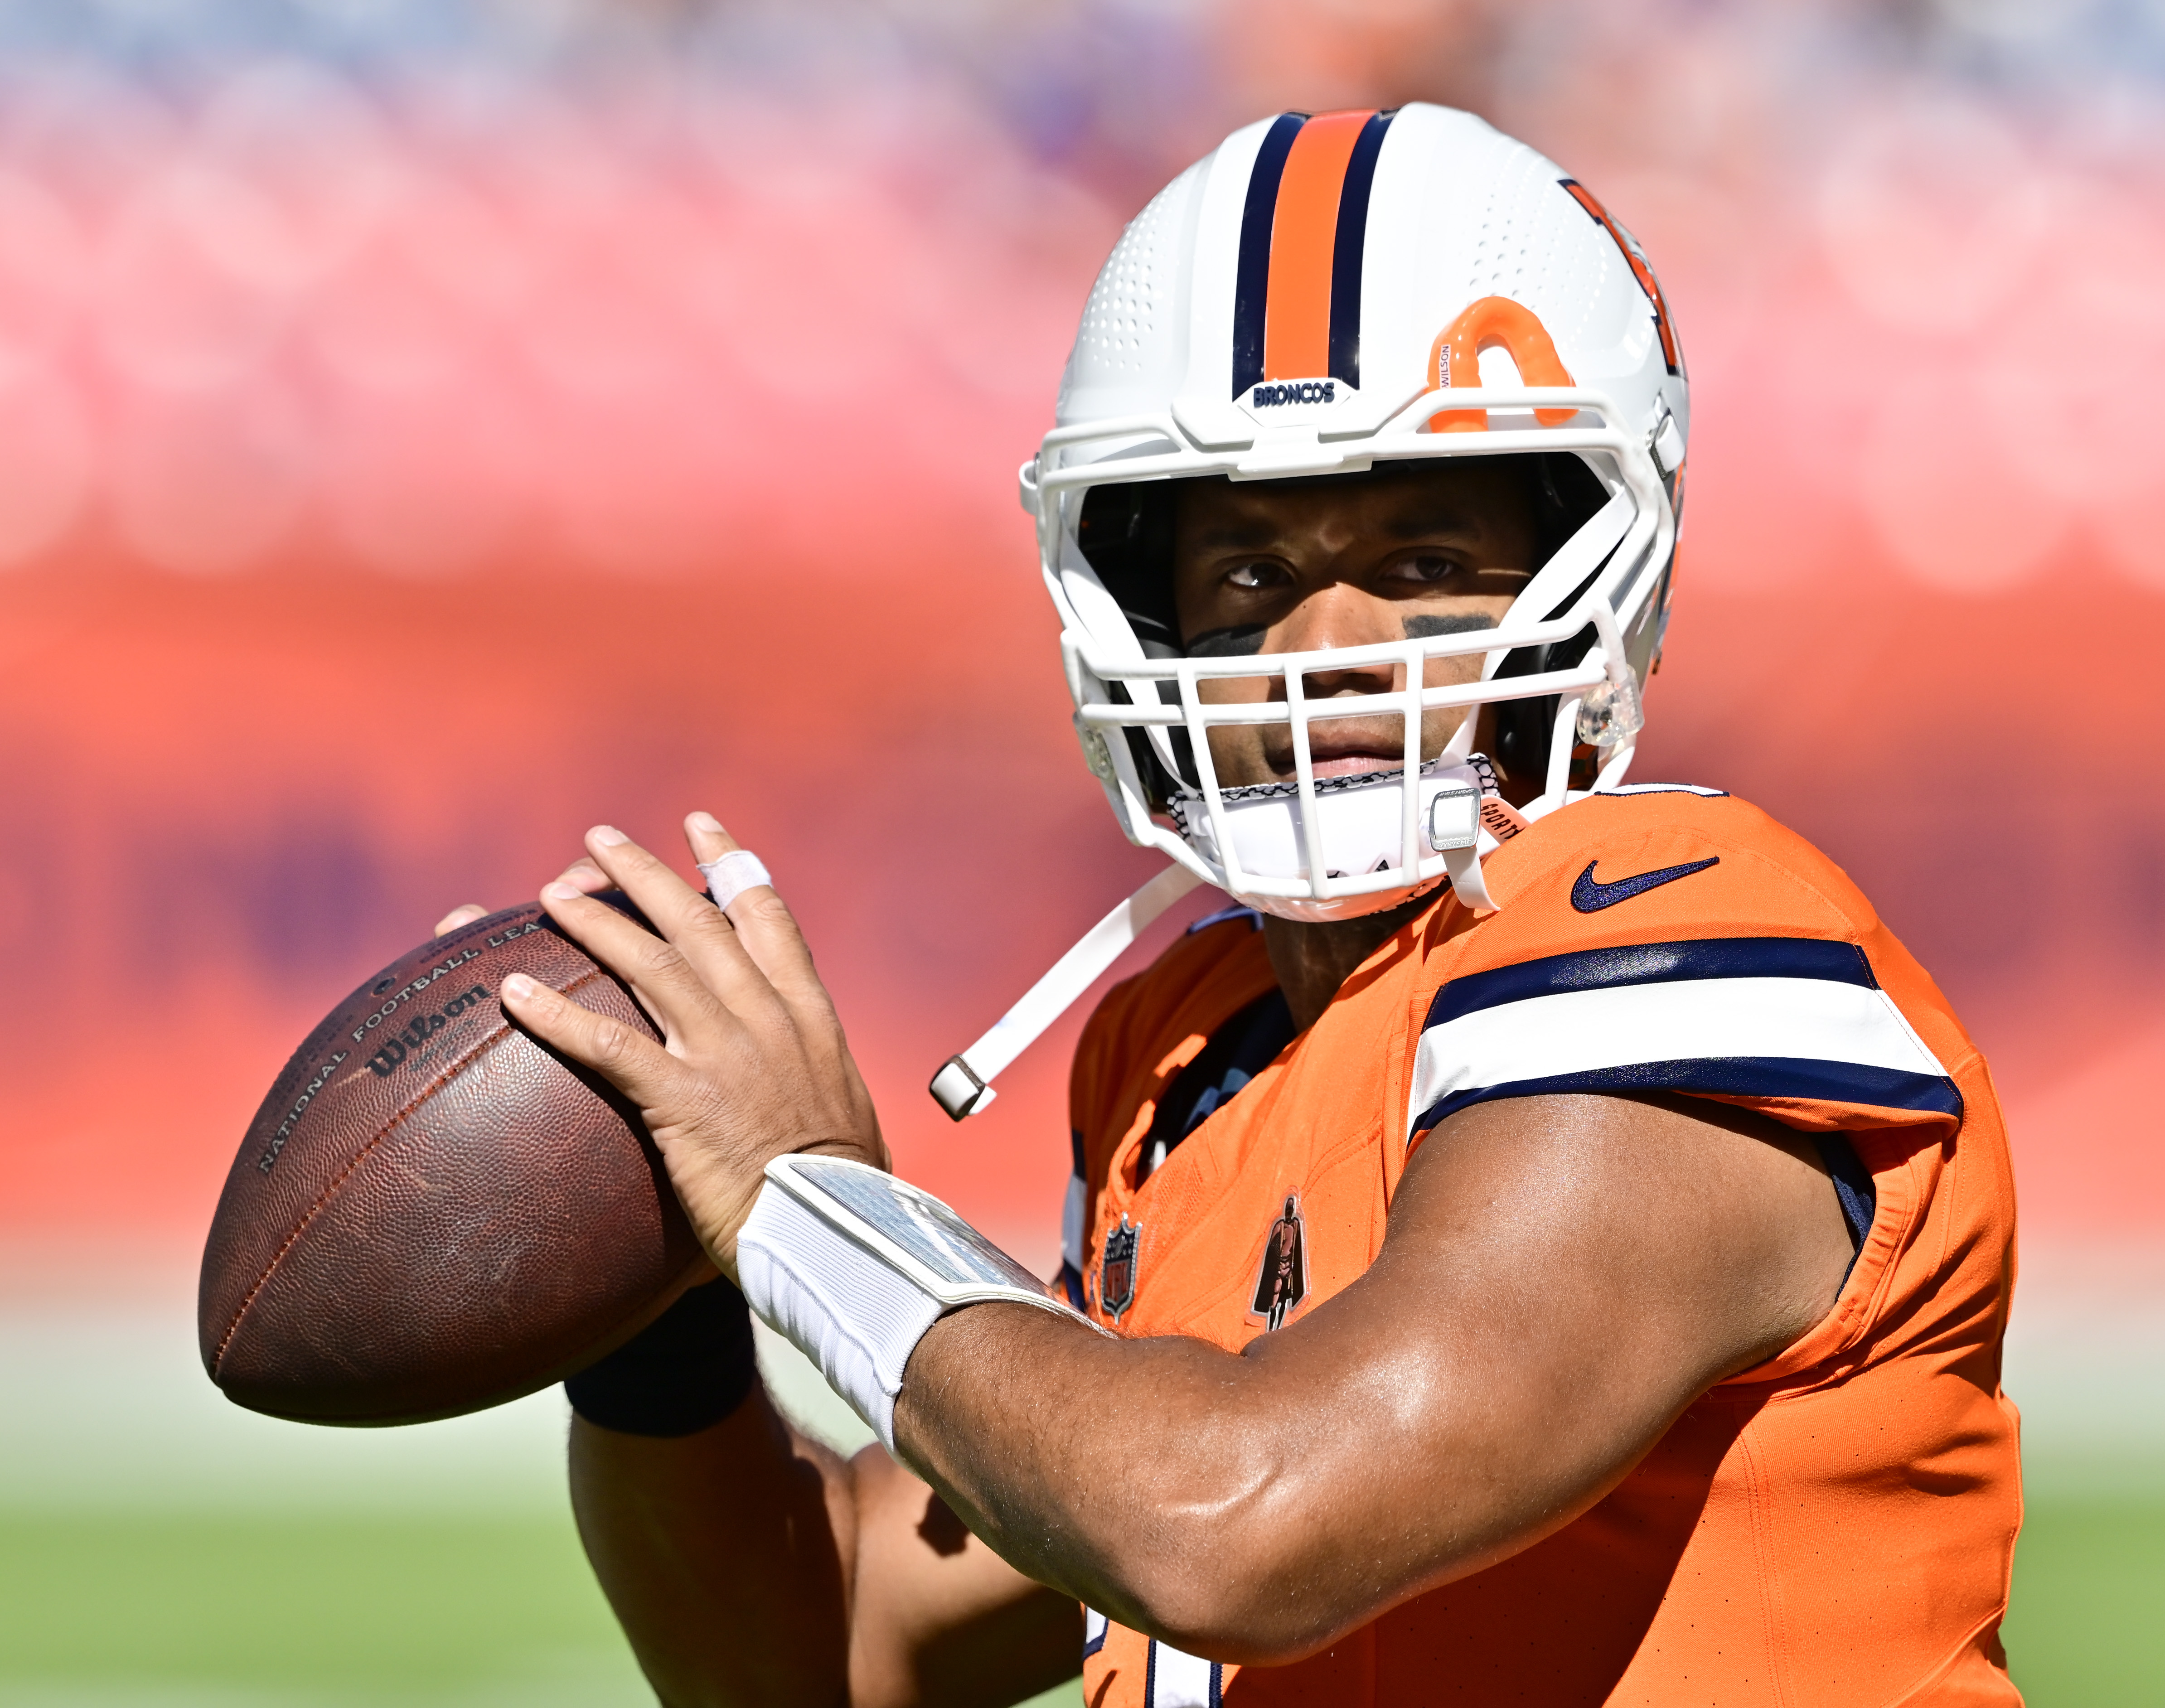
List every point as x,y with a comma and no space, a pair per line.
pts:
1576,1269
938,1617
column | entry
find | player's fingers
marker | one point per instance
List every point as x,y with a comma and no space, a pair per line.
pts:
667,986
638,1067
687,920
763,918
458,916
583,875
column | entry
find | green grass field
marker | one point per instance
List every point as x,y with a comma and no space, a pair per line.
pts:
110,1611
114,1611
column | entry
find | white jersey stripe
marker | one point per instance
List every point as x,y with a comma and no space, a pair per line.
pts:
1177,1680
1094,1631
1071,1215
1575,1032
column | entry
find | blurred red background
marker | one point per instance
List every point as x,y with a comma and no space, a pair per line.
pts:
405,465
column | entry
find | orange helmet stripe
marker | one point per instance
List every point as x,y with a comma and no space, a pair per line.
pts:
1303,234
1303,240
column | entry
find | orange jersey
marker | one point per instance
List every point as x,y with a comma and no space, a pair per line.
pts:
1832,1529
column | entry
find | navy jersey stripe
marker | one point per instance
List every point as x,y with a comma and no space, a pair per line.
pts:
1349,249
1654,963
1854,1188
1252,281
1731,1075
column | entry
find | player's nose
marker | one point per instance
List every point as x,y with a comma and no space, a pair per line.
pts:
1336,616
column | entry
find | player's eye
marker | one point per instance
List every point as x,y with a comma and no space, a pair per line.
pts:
1424,568
1260,573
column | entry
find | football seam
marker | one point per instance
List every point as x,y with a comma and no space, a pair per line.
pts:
331,1187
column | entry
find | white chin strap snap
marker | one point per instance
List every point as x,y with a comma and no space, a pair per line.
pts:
732,875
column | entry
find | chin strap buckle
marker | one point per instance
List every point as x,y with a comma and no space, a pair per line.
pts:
957,1088
963,1085
1458,814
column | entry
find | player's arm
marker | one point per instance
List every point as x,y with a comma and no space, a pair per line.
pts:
750,1565
1562,1276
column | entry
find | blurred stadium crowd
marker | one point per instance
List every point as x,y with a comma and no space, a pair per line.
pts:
427,286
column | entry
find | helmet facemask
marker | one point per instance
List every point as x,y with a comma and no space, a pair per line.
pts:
1337,846
1126,531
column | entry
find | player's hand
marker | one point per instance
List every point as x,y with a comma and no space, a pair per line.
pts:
752,1063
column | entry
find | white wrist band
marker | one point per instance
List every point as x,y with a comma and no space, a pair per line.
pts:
732,875
852,1266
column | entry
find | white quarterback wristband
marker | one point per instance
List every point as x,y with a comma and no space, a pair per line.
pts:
732,875
851,1266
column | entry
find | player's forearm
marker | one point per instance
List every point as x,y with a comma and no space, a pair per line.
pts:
1186,1492
724,1555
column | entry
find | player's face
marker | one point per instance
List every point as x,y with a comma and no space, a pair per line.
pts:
1423,549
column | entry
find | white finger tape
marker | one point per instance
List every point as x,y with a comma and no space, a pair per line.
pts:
732,875
852,1266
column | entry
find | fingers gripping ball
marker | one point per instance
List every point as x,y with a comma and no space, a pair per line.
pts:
432,1212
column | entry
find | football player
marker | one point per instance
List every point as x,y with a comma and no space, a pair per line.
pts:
1547,1241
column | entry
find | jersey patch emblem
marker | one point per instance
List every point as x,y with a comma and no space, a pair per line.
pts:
1589,897
1116,1276
1282,1279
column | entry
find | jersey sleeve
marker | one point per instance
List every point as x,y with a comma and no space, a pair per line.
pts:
1684,945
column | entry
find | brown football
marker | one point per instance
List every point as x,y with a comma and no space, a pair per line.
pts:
432,1213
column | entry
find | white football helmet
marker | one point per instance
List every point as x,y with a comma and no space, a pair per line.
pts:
1305,302
1321,294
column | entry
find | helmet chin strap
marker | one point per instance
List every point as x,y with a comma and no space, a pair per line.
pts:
963,1085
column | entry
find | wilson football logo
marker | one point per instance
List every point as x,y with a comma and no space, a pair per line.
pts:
423,1028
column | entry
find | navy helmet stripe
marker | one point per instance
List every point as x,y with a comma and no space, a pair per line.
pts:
1730,1076
1253,282
1654,963
1349,249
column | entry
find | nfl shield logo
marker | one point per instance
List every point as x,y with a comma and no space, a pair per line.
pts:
1116,1279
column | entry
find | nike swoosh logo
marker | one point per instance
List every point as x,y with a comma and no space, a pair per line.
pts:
1590,898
